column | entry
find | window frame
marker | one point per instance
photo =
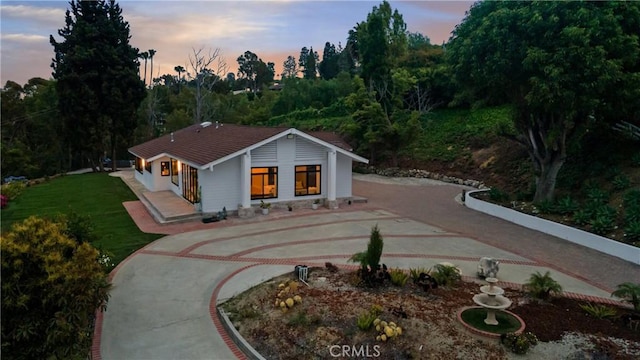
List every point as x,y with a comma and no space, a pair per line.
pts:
304,191
174,172
271,177
148,166
165,168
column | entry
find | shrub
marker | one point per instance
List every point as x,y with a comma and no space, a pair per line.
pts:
566,205
51,288
542,286
78,227
602,224
366,318
414,273
630,293
632,231
13,189
631,214
595,195
371,257
545,207
581,217
621,182
598,311
398,277
4,201
446,275
635,159
519,344
498,195
632,198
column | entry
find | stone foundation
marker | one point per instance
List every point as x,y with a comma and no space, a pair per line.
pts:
245,213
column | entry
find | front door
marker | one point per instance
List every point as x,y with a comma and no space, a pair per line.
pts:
190,183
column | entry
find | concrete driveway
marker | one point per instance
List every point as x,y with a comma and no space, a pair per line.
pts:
163,302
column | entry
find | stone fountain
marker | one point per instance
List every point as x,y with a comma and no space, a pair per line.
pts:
492,300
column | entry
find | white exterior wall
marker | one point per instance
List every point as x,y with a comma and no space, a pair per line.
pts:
160,183
221,188
344,177
286,154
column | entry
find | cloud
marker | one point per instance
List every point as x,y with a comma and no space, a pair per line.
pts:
24,38
34,13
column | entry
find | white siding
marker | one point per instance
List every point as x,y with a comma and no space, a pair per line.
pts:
306,150
266,152
344,178
160,183
221,188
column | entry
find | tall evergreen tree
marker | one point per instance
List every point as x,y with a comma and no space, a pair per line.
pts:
97,77
329,67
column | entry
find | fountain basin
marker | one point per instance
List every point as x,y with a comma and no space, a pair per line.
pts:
494,302
478,327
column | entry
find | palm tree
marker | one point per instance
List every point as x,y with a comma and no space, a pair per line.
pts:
630,293
179,69
145,56
541,286
152,52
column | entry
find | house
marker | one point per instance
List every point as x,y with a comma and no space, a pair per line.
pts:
235,166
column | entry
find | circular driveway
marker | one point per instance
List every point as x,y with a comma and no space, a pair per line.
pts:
164,297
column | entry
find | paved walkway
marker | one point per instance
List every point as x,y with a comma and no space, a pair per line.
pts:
164,298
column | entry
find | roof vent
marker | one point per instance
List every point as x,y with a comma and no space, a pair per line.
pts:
172,137
205,124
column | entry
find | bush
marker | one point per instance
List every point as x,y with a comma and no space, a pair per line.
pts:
519,344
542,286
12,190
621,182
630,293
51,288
545,207
78,227
446,275
365,319
398,277
566,205
414,273
581,217
631,214
498,195
598,311
635,159
603,224
371,257
632,231
597,196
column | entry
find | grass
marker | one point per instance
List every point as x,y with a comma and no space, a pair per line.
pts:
506,323
96,194
448,133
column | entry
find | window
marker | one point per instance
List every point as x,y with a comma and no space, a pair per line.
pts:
308,180
264,183
147,166
164,168
190,183
139,166
174,171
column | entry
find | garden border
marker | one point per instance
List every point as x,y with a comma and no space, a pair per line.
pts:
580,237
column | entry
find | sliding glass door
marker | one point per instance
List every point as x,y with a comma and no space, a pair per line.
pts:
190,183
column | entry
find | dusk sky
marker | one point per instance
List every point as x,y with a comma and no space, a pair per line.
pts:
273,29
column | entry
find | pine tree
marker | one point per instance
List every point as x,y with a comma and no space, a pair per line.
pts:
97,79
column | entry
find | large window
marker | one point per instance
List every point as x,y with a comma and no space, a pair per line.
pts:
139,165
264,183
174,171
308,180
147,166
190,183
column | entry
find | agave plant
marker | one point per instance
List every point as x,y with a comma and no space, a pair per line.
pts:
630,293
542,286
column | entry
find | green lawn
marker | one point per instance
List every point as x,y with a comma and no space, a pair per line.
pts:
96,194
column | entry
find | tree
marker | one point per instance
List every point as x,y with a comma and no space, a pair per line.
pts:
289,68
310,67
329,67
145,57
542,286
630,293
203,77
564,66
51,289
253,70
179,69
98,85
152,53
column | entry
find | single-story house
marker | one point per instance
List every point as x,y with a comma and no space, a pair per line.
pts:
235,167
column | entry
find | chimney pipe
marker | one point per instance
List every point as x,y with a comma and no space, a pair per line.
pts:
171,136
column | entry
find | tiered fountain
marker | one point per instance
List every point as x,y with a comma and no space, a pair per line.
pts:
492,300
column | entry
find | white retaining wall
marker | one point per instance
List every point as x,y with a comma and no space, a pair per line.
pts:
580,237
